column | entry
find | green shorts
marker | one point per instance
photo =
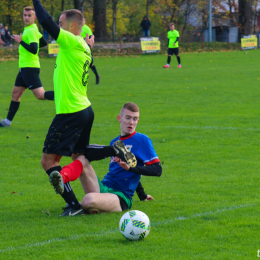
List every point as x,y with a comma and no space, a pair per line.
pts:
105,189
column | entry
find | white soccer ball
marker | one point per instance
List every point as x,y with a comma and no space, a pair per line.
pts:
134,225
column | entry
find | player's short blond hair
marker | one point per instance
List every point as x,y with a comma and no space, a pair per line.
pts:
74,15
170,24
29,8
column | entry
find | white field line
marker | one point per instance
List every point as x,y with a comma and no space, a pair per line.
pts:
115,230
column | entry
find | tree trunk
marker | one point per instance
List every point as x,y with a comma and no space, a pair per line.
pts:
62,5
114,7
99,18
78,4
230,12
147,8
244,18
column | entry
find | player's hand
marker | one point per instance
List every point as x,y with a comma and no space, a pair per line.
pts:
17,38
149,197
123,164
174,44
90,40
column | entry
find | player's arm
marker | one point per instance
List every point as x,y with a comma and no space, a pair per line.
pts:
32,47
42,42
141,193
177,39
154,169
46,20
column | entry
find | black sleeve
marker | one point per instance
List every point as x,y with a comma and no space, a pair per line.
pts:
140,192
43,42
33,47
150,170
177,39
46,20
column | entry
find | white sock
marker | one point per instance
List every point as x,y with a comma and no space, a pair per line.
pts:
8,122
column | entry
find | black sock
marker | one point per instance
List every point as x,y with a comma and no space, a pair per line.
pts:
179,60
169,60
14,106
94,70
68,194
95,152
49,95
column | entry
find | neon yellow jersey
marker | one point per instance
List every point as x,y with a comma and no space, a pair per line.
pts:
172,36
85,30
71,73
26,58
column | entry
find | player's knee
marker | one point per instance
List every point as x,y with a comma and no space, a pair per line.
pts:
39,93
39,96
44,164
88,202
16,96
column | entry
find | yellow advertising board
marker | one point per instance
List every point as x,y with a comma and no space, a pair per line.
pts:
53,48
249,42
151,44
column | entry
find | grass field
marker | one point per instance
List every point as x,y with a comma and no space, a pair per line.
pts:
203,120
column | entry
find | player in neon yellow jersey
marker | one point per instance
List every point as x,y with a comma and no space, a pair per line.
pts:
86,30
173,46
29,66
69,132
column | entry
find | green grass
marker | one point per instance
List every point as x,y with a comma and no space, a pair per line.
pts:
203,120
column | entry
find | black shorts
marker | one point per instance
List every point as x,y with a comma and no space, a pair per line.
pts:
28,78
123,204
172,51
69,133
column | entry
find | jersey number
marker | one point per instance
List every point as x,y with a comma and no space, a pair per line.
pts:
85,72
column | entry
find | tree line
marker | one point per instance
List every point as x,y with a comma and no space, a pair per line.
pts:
111,19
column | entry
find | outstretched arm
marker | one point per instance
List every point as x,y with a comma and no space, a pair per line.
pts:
150,170
154,169
46,20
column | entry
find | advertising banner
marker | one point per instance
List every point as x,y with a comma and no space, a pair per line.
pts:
249,42
151,44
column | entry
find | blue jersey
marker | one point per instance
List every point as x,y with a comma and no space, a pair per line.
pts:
125,181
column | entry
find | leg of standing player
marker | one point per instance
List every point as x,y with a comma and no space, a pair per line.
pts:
170,52
50,163
68,135
26,78
179,61
178,57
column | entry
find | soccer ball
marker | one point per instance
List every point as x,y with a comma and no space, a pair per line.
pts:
134,225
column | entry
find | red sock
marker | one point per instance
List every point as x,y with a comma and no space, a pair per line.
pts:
72,171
